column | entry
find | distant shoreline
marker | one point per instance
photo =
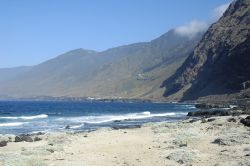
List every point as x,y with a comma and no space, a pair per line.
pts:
87,99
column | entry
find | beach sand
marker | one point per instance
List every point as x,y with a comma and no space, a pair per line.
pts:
214,141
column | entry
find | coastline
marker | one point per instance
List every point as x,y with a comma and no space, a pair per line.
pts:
222,140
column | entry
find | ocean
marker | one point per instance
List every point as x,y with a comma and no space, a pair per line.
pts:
27,117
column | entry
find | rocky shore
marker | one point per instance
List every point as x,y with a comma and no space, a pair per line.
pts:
214,136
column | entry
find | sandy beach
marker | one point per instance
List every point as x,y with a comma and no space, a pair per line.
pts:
212,141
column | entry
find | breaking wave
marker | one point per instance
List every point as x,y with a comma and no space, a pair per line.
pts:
110,118
41,116
11,124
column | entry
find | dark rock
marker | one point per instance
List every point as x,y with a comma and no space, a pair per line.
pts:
3,143
211,119
180,161
183,145
50,150
246,121
218,141
24,138
18,139
37,139
209,106
193,120
212,112
67,127
27,139
231,120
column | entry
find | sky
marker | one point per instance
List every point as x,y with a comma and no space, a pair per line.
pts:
33,31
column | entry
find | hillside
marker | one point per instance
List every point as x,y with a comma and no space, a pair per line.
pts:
9,73
130,71
220,64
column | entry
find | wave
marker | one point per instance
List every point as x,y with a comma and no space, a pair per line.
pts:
111,118
191,107
11,124
76,126
188,106
41,116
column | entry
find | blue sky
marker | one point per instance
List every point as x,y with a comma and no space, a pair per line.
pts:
33,31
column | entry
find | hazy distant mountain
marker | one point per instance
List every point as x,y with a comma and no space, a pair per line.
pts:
141,72
9,73
131,71
220,64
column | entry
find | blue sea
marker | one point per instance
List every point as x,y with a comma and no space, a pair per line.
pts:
27,117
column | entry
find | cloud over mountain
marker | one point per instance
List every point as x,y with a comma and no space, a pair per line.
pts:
218,11
192,28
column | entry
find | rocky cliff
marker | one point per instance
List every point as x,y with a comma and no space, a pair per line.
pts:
220,63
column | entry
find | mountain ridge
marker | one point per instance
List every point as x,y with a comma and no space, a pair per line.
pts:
130,71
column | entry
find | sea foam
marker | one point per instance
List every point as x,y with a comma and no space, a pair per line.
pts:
110,118
26,117
11,124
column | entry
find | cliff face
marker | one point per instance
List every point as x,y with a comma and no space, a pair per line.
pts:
220,63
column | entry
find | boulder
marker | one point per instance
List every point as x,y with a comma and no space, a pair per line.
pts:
231,120
3,143
246,121
18,139
211,119
27,139
24,138
37,139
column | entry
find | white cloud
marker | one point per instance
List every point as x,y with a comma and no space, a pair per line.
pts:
218,11
192,28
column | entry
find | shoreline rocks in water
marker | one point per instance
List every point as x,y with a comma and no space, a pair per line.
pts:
209,110
211,105
210,113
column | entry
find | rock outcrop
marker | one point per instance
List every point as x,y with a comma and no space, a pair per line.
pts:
246,121
220,63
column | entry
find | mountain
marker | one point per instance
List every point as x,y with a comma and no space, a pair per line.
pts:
9,73
220,63
130,71
141,72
